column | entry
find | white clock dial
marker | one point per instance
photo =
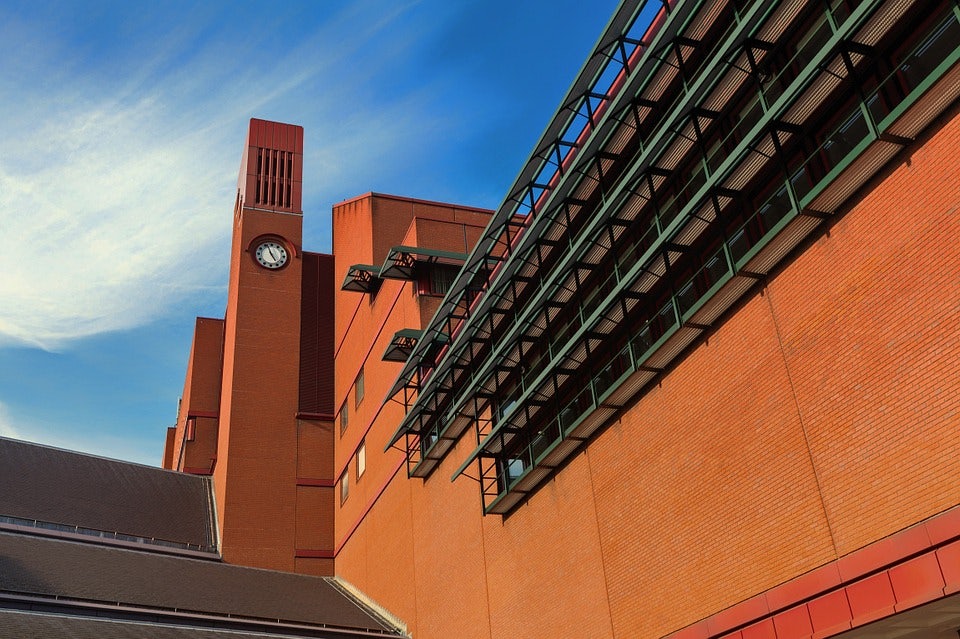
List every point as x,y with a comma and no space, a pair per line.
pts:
271,255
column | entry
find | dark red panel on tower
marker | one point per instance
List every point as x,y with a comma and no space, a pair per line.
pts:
317,335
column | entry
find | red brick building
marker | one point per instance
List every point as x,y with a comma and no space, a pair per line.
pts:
698,376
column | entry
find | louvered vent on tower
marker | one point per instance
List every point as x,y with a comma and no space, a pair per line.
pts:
271,171
274,178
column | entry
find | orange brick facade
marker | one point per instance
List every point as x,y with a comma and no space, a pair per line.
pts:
795,473
239,418
191,445
820,417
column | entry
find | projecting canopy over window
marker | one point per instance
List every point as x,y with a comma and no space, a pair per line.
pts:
402,261
401,345
362,278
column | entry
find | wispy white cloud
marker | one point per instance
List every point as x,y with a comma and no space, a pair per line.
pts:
6,425
106,222
115,192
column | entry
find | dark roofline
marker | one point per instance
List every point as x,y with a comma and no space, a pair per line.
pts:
55,492
320,253
56,530
414,200
79,578
60,605
17,440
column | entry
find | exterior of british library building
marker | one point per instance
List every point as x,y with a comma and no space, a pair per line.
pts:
697,377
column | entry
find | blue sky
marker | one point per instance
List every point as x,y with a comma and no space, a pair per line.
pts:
123,125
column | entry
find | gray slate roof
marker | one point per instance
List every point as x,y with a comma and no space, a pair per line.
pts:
69,571
57,580
53,567
64,487
38,625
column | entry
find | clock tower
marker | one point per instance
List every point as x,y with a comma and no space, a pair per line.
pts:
255,471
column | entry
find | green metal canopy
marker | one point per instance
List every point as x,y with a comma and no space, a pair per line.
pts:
401,261
363,278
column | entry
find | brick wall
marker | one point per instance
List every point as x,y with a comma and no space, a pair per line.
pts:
384,565
200,400
255,477
819,417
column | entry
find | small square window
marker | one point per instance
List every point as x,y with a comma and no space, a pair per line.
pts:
361,459
441,278
437,279
358,388
344,418
344,486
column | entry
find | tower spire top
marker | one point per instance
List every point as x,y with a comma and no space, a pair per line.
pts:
271,171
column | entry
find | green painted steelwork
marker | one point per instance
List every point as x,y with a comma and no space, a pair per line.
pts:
512,393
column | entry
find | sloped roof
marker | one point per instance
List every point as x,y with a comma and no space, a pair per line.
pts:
57,575
44,625
55,486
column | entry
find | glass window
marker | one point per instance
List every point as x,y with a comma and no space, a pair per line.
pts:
361,459
427,440
438,279
344,485
441,278
344,418
358,388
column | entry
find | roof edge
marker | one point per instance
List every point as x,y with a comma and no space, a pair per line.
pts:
94,455
110,611
414,200
367,604
62,532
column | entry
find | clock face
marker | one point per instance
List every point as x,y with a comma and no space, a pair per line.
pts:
271,255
